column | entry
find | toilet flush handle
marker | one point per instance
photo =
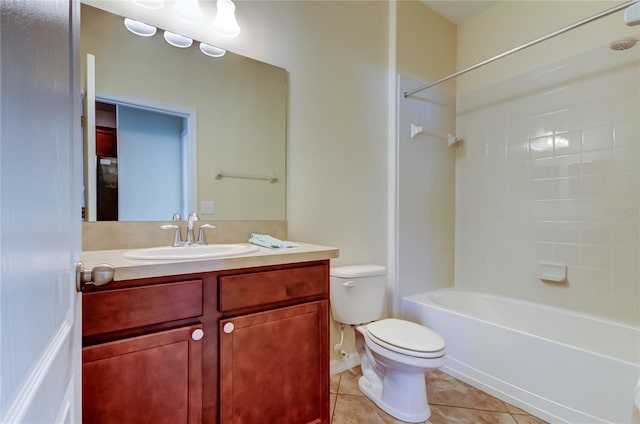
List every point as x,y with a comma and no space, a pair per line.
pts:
349,283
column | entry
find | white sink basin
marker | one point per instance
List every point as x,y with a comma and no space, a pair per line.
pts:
191,252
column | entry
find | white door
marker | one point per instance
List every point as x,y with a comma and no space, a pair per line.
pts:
150,165
40,224
89,137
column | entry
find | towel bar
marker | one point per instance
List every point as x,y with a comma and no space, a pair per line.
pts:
272,178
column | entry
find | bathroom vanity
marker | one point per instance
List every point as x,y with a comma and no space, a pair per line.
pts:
232,340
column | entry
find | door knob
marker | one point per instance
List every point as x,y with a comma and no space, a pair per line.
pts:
228,328
98,276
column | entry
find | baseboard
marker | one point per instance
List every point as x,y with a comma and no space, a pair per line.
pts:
339,365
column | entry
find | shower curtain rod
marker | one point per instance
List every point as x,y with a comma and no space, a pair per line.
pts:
524,46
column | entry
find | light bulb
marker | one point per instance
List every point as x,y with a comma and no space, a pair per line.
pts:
139,28
212,51
225,23
188,11
177,40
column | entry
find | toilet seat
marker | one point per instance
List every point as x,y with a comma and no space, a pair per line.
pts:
406,337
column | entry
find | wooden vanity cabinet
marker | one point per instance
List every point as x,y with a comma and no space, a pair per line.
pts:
142,354
160,350
274,347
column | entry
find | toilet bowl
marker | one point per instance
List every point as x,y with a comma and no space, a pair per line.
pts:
393,370
394,353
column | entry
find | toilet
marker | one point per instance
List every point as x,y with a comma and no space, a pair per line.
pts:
394,353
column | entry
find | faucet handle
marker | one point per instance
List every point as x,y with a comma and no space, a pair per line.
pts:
201,236
177,238
176,217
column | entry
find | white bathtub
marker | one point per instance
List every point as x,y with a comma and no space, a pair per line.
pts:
562,366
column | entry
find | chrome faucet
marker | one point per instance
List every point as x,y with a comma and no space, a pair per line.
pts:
177,239
193,217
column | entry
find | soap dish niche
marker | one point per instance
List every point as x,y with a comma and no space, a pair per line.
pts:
555,272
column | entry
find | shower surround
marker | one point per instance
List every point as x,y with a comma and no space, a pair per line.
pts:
549,172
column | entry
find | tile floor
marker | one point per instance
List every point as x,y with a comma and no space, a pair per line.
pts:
452,402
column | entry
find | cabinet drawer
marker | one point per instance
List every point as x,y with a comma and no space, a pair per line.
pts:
247,290
122,309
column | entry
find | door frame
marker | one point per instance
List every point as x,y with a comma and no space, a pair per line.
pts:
190,139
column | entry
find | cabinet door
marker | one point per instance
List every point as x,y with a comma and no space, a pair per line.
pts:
274,366
155,378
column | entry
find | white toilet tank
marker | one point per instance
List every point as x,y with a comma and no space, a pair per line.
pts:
357,293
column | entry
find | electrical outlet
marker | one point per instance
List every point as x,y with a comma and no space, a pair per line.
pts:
206,207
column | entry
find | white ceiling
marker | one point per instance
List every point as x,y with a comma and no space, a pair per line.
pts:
457,11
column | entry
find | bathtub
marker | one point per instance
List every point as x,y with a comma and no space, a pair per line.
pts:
561,366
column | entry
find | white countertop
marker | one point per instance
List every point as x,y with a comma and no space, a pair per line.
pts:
127,269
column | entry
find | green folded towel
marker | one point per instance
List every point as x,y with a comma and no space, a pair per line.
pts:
266,240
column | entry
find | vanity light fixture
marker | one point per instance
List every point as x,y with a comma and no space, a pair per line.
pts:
230,28
177,40
188,11
225,23
139,28
212,51
149,4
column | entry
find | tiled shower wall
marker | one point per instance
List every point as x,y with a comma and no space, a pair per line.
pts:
549,172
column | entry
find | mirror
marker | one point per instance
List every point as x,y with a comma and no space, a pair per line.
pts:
238,107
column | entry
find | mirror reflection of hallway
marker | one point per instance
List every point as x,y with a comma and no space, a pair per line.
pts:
106,162
141,163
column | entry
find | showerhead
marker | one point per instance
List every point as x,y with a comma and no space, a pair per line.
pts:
623,44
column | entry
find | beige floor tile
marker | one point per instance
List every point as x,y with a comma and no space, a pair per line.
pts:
332,404
515,410
451,415
334,383
349,382
359,410
443,389
452,402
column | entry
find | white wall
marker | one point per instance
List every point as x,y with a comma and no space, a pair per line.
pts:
425,164
509,24
426,191
549,167
337,144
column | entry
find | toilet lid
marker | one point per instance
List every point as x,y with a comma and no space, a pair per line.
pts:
405,335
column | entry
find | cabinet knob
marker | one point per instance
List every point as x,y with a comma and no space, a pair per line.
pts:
197,334
228,327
